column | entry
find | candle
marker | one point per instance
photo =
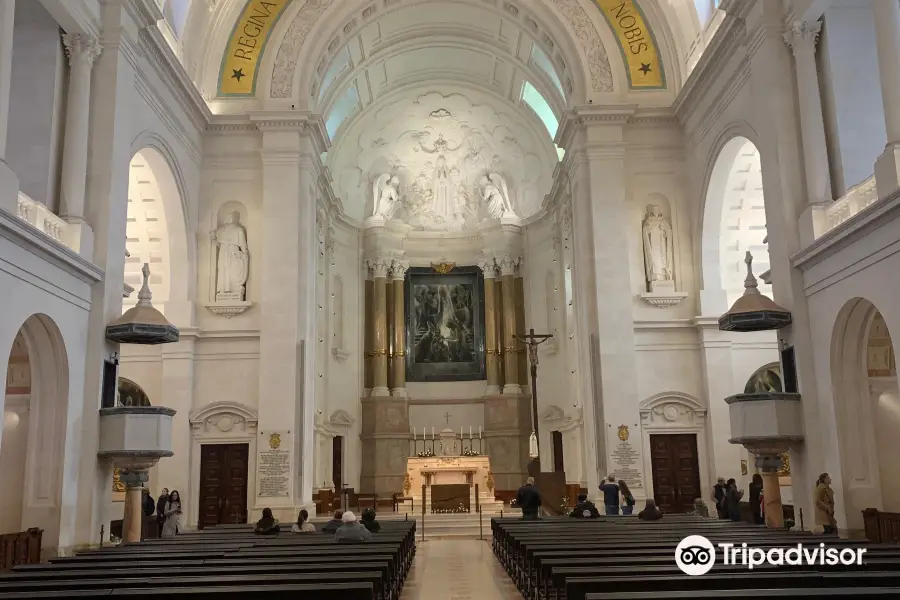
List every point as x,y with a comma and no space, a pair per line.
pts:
414,434
460,432
479,432
432,434
470,432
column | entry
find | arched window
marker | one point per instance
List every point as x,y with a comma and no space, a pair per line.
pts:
543,62
176,13
340,63
536,102
344,106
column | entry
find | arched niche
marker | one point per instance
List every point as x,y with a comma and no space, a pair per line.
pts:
32,451
734,221
131,394
867,411
237,211
765,379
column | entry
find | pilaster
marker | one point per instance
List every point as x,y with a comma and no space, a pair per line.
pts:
398,277
491,350
9,183
509,344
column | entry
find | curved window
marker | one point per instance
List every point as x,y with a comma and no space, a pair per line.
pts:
337,66
176,13
342,108
706,9
543,62
541,107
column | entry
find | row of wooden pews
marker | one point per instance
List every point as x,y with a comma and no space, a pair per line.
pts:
622,558
229,562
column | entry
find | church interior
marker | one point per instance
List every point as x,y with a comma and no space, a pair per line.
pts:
406,254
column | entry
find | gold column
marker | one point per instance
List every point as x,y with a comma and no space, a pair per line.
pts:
398,274
521,351
389,332
379,340
491,350
369,328
508,341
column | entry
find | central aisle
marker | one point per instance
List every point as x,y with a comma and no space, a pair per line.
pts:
457,570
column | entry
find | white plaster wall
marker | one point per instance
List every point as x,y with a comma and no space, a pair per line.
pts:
885,397
12,462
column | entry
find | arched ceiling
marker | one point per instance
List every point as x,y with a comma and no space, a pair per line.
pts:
277,52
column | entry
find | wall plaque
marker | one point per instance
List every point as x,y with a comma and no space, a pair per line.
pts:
273,465
625,461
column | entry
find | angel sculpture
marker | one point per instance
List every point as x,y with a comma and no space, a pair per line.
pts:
386,195
496,196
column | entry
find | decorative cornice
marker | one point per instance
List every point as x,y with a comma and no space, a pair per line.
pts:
144,13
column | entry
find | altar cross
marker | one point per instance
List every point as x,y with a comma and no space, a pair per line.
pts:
532,340
447,418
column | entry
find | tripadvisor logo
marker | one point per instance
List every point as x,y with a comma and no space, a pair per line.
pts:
696,555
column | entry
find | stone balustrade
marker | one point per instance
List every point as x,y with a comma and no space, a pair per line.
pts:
42,218
856,200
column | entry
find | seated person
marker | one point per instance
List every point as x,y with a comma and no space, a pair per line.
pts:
332,525
369,522
700,508
303,525
650,512
585,509
268,525
351,530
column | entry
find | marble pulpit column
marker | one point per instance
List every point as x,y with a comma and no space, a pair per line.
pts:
509,343
291,147
398,276
111,132
81,50
491,350
887,39
802,36
9,183
379,268
134,514
772,91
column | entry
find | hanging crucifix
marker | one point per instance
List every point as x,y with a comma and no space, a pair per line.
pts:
532,340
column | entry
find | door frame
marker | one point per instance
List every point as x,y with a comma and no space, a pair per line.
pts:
220,423
676,413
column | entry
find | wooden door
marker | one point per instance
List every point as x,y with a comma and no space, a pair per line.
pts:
337,464
558,460
676,471
223,484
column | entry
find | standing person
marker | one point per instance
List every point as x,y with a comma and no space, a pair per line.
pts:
528,498
627,498
172,513
719,498
733,500
147,503
303,525
756,488
824,501
161,509
610,495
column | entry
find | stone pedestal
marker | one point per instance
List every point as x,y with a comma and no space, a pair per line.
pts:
385,444
507,425
134,483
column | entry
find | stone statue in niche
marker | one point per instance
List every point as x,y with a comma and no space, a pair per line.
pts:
658,250
232,260
445,204
495,196
386,194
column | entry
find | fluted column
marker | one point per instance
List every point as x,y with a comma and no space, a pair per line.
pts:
491,349
887,38
398,276
379,269
9,183
802,36
81,50
509,343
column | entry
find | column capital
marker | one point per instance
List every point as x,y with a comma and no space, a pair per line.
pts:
508,265
378,266
488,266
399,269
133,479
81,48
803,35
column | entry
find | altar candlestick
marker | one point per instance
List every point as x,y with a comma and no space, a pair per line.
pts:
470,432
460,432
432,434
414,434
479,432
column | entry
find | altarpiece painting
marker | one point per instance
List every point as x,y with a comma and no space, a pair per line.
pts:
445,324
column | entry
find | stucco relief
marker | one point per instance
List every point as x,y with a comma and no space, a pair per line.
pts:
591,45
289,51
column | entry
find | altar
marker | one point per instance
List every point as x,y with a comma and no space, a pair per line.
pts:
446,470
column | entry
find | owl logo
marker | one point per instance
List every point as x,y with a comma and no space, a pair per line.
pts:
623,433
275,441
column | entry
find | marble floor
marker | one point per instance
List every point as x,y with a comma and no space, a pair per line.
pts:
457,570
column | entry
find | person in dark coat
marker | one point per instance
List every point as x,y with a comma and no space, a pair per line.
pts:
610,491
161,508
147,503
650,512
733,500
528,498
585,509
268,525
332,526
719,498
756,488
369,522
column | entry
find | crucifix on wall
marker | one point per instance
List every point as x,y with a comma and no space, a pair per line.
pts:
447,418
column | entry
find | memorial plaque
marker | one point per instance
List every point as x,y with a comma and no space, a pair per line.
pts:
273,465
625,461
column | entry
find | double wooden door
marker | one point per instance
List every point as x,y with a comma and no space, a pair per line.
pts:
223,484
676,471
